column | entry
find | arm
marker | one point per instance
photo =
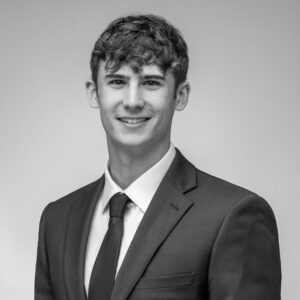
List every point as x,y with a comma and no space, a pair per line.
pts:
42,289
245,262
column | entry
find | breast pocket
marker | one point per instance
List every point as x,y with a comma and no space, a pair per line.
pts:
169,281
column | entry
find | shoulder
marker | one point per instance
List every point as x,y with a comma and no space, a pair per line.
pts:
211,185
208,191
227,205
222,196
60,208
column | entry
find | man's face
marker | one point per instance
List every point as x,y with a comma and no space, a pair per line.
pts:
136,108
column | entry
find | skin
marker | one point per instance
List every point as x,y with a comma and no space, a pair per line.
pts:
136,111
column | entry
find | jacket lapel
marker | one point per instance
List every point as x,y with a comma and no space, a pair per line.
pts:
77,237
166,209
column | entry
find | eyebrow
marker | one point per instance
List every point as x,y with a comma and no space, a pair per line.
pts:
145,77
115,76
158,77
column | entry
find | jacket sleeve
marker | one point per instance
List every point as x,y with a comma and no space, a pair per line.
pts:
245,261
42,289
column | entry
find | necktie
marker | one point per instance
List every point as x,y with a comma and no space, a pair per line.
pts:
104,270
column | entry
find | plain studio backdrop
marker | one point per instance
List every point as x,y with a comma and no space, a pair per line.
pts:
242,123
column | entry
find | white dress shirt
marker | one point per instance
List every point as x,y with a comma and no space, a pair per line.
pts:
140,192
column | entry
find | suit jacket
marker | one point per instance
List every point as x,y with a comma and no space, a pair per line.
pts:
201,238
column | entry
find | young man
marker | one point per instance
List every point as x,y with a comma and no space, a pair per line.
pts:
153,226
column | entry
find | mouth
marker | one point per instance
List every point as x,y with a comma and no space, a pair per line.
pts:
133,121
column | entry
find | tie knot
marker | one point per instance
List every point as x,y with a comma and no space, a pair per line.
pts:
117,204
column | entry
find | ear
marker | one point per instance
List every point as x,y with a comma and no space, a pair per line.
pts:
182,96
91,91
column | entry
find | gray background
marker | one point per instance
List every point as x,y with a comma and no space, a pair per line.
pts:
242,122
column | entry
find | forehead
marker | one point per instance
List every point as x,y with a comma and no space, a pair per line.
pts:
126,69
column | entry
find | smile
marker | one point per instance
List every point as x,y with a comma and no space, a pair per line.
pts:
133,121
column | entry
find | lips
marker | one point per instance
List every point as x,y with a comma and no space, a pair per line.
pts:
134,121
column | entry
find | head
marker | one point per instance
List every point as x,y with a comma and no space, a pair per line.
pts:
139,67
139,40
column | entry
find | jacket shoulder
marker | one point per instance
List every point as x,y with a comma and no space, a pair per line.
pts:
223,194
218,186
61,207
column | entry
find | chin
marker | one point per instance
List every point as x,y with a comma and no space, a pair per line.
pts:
133,142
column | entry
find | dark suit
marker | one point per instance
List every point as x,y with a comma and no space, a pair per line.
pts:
201,238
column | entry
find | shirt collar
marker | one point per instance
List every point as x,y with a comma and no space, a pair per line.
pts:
142,190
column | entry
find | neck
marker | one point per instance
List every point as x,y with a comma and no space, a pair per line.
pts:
128,163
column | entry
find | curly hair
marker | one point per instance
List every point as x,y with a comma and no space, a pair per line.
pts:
140,40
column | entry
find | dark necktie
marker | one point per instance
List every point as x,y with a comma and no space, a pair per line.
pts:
104,270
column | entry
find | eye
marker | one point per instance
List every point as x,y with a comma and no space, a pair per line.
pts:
117,83
152,84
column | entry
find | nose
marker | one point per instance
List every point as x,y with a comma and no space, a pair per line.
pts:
133,98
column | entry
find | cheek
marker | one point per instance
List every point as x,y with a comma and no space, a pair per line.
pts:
161,101
106,102
106,114
167,106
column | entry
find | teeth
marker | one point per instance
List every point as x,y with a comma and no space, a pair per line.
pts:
133,121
